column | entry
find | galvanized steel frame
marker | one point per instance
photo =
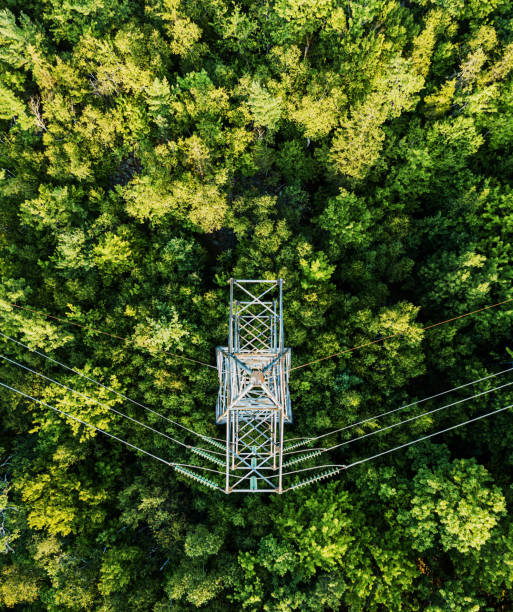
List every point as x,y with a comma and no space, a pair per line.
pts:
253,401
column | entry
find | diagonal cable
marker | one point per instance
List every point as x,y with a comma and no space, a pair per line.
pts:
414,418
436,433
342,467
401,446
383,414
74,418
20,365
96,382
99,331
419,416
354,348
86,424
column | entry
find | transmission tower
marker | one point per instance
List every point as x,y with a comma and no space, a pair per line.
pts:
253,401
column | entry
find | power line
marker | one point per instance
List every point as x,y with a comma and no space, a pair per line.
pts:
190,359
383,414
96,382
95,401
354,348
419,416
401,446
317,467
74,418
199,467
87,424
381,429
340,466
391,450
372,433
99,331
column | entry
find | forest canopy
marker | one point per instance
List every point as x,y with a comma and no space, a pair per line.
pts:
150,151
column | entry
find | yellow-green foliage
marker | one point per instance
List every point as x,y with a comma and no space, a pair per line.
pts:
362,150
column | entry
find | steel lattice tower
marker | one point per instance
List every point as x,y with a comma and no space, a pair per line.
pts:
253,400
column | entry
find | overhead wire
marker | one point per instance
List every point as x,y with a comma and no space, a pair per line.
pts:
340,466
291,369
419,416
393,425
343,467
99,331
354,348
436,433
401,446
96,428
199,467
96,382
190,359
20,365
34,399
383,414
380,430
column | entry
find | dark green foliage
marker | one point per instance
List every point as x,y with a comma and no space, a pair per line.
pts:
360,150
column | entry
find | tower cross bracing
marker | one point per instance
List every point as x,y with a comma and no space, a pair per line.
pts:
253,401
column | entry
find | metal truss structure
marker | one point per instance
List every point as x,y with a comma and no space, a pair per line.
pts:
253,403
253,400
